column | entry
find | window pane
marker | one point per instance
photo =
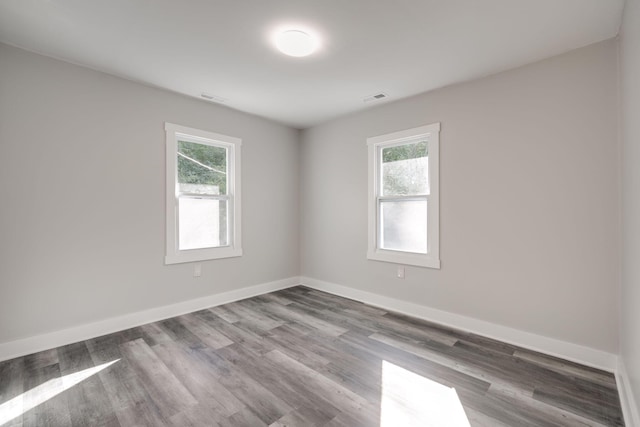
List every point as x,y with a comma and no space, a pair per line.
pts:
202,169
203,223
405,170
403,226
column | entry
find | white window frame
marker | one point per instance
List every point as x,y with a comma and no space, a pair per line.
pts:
173,254
375,145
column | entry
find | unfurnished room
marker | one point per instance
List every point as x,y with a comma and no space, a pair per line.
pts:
297,213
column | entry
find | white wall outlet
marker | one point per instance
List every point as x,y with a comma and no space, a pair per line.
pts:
400,273
197,270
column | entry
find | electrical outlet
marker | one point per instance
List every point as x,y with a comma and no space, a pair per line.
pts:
197,270
400,273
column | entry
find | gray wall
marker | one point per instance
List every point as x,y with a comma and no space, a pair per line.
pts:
529,199
630,67
82,190
529,207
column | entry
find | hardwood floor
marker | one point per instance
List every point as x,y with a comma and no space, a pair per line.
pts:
300,357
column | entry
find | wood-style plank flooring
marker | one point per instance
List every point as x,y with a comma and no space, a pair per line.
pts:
300,357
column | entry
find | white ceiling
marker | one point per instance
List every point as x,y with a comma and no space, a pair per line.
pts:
223,47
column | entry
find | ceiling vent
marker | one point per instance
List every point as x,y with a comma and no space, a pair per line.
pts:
376,97
213,98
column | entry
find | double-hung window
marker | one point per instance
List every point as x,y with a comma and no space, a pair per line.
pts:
203,195
403,197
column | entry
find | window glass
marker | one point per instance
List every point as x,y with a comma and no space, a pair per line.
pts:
405,169
203,195
403,225
404,217
202,223
202,169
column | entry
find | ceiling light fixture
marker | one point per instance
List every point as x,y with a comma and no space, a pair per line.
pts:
296,43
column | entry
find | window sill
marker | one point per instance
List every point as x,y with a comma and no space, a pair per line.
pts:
202,255
404,258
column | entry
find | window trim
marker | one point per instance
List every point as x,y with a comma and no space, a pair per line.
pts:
375,144
173,255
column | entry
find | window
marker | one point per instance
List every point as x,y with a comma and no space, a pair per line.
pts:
403,197
203,195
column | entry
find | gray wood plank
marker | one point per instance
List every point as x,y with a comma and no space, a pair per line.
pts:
200,378
53,411
493,375
249,314
224,313
295,314
88,401
303,417
236,333
12,377
202,414
169,395
300,357
273,297
553,414
132,403
209,335
339,396
244,418
278,379
262,402
288,340
450,376
41,359
567,368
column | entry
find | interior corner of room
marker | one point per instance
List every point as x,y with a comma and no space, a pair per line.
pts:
539,204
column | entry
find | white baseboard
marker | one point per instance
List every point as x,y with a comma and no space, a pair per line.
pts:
29,345
551,346
627,400
565,350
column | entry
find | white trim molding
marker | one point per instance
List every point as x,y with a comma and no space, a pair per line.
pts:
29,345
376,198
551,346
630,410
232,196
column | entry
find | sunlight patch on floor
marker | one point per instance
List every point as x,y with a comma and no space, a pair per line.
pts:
48,390
409,399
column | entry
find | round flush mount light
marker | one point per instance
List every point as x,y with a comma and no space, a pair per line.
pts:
296,43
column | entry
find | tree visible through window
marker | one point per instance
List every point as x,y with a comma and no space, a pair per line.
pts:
202,164
203,204
405,169
403,202
202,217
403,197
